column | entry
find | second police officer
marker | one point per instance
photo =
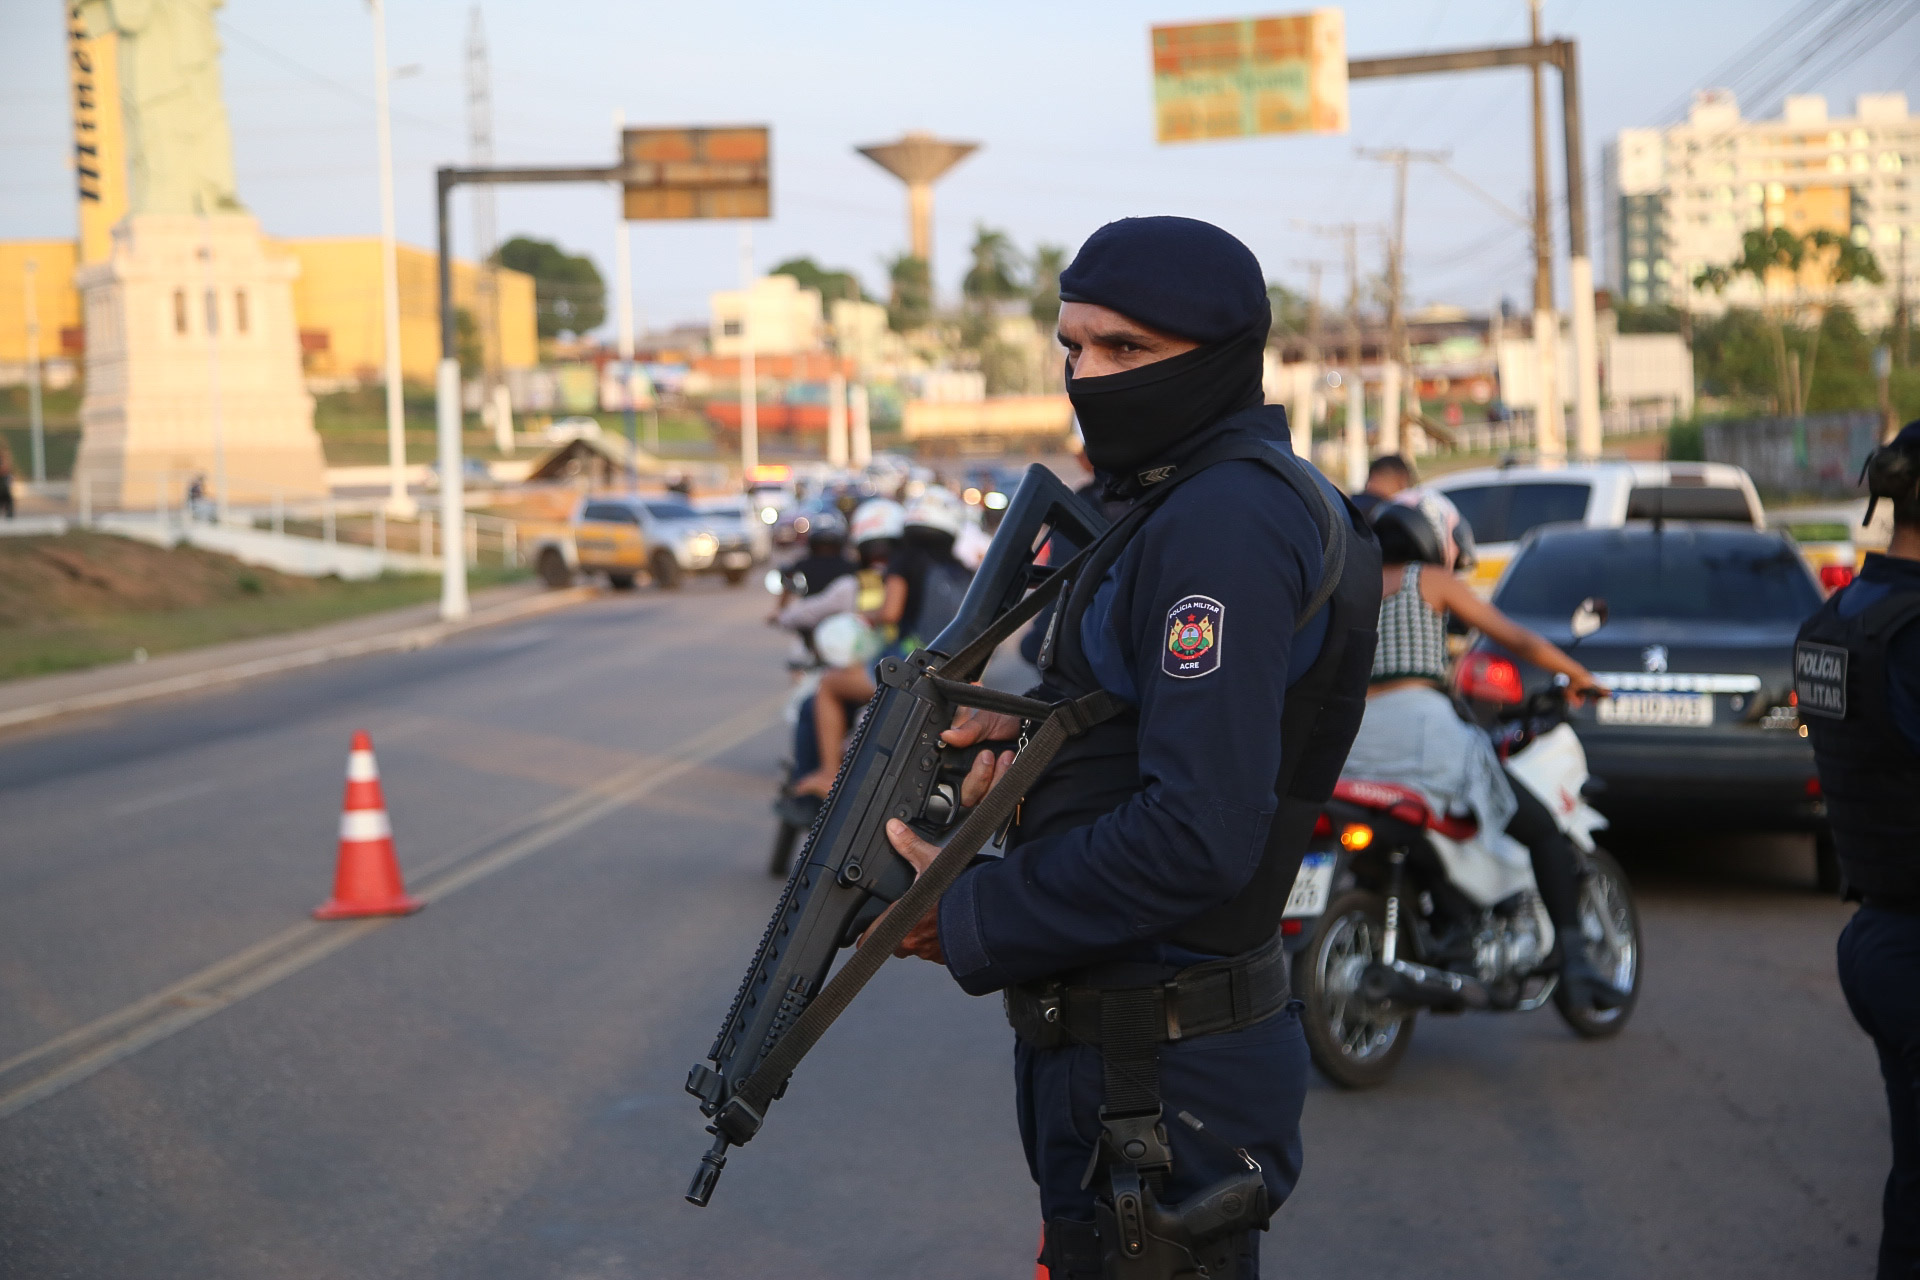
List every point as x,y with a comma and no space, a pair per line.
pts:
1133,923
1856,667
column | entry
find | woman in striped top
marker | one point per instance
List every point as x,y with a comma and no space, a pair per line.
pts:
1413,736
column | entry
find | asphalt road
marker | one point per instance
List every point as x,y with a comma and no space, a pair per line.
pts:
196,1082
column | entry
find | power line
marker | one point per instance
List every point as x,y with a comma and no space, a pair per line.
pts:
360,96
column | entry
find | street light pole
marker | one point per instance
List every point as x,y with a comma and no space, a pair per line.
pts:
453,497
749,392
398,501
623,269
35,421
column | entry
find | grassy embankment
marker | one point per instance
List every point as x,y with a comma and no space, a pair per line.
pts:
353,429
86,599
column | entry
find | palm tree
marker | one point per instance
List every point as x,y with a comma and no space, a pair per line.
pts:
1043,285
994,275
1762,252
910,306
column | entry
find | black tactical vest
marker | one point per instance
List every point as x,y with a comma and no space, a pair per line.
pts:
1098,771
1869,773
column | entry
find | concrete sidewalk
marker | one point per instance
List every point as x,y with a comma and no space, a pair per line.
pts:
45,697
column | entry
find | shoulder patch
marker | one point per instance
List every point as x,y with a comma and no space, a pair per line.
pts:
1194,632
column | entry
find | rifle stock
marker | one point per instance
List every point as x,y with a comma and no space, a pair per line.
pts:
895,767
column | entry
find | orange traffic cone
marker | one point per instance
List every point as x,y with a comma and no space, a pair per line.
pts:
366,882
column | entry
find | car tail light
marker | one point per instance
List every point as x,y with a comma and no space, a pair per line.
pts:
1835,576
1489,677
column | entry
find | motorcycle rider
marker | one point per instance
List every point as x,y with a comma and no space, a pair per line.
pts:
876,529
1857,677
1413,735
825,561
924,585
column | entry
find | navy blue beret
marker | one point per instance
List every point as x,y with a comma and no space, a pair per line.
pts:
1178,275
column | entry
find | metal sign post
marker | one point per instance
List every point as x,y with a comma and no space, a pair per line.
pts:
674,174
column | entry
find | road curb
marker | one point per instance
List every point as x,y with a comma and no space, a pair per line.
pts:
410,638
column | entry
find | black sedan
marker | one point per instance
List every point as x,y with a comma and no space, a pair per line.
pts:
1697,648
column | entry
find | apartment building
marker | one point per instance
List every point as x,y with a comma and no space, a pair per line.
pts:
1679,199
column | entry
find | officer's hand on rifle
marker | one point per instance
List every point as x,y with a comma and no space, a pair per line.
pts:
972,725
969,727
923,939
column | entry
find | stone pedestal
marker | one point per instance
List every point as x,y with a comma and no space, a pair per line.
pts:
193,367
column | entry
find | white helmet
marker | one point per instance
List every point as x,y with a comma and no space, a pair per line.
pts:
846,640
877,518
938,509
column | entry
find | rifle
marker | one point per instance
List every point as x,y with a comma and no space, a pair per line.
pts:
895,767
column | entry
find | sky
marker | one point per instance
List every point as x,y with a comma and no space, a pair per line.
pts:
1058,94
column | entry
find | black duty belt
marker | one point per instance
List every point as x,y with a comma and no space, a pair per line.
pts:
1206,999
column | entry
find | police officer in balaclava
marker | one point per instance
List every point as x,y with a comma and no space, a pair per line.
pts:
1133,922
1856,669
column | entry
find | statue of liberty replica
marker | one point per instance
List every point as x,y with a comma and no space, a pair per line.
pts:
193,357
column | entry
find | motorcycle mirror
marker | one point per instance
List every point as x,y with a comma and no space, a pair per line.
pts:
1589,617
774,585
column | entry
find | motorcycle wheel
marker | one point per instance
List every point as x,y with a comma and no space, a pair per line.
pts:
1356,1043
1611,925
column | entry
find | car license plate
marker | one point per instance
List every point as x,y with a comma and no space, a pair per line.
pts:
1312,886
1685,710
736,559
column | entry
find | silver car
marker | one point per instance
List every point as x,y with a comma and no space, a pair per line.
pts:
682,540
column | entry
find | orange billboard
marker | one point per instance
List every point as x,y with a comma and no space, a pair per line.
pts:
697,172
1248,76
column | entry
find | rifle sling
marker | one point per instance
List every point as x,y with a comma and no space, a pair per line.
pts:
1065,720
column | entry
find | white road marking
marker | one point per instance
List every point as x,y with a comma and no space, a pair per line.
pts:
126,1031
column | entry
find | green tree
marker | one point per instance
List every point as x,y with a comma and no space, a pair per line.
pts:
466,342
1762,252
1655,318
1043,286
569,295
910,303
831,285
1289,309
994,275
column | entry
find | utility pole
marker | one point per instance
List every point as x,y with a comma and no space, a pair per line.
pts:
399,503
1313,357
1398,362
35,423
1550,435
623,271
749,391
1355,434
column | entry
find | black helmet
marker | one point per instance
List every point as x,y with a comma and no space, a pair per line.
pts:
826,529
1406,535
1892,472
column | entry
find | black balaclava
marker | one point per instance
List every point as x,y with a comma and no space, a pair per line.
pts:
1186,278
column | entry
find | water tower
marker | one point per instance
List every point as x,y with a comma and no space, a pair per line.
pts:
919,159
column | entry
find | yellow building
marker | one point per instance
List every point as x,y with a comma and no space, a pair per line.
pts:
336,304
55,299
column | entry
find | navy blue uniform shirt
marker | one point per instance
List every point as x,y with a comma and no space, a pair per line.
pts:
1880,577
1194,627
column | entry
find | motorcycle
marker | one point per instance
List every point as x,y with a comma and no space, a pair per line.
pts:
845,639
1399,910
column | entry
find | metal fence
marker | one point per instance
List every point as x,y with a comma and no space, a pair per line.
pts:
1818,456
